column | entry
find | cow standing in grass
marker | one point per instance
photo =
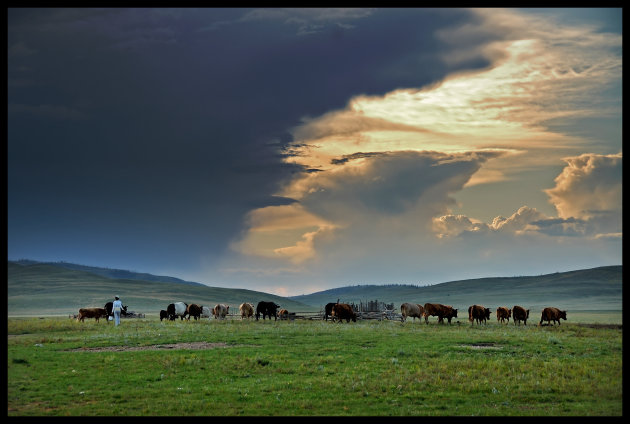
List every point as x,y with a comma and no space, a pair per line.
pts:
440,311
341,311
193,310
479,313
520,314
411,310
246,310
206,312
177,309
267,309
220,311
95,313
552,314
328,309
503,313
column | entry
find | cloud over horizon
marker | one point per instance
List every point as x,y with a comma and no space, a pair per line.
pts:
290,149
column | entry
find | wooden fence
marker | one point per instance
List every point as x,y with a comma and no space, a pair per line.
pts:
318,316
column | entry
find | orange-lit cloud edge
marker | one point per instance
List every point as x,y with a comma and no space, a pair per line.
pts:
472,128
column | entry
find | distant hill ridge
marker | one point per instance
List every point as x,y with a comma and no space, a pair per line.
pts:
600,287
111,272
36,288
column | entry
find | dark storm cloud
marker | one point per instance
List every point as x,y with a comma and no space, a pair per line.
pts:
138,136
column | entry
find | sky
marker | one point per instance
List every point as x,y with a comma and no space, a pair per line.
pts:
291,151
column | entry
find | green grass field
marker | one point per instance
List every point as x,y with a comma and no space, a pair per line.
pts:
57,366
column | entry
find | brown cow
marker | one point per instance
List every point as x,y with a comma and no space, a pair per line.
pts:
479,313
552,314
411,310
246,310
95,313
193,310
341,311
440,311
283,314
503,313
520,314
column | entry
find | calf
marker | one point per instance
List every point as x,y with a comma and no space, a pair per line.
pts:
163,314
520,314
341,311
283,314
552,314
479,313
503,313
411,310
95,313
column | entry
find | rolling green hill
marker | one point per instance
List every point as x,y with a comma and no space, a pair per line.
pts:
111,272
46,290
40,289
588,289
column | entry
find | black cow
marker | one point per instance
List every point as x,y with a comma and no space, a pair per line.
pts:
267,308
109,307
163,315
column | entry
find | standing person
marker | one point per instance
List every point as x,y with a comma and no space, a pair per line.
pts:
117,307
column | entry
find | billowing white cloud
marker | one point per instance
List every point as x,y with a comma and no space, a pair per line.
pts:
588,187
587,196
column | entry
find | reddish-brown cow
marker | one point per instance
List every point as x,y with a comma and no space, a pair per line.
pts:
520,314
479,313
283,314
440,311
503,313
95,313
552,314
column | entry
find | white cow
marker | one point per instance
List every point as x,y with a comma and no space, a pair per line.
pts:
220,311
205,312
411,310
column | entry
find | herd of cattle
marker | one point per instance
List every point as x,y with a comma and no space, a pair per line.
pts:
478,313
338,312
221,311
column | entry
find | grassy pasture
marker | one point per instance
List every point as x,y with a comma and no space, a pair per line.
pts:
320,368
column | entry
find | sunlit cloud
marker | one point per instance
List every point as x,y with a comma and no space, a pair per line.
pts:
588,186
587,196
383,170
